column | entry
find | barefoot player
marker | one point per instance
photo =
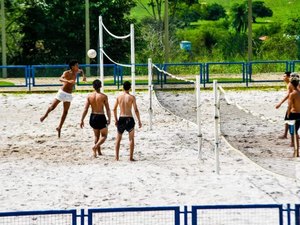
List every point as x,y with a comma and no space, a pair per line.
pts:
64,94
98,121
126,102
293,112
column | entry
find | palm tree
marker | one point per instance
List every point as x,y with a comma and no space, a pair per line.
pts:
239,15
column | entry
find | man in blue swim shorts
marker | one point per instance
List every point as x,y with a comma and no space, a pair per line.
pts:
125,101
293,112
98,121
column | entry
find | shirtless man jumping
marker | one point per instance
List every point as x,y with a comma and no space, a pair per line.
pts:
98,121
293,112
126,102
64,94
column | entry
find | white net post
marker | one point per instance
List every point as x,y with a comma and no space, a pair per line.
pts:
296,150
132,55
101,53
150,88
216,114
198,102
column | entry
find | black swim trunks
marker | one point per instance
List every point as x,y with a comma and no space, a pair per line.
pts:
125,123
98,121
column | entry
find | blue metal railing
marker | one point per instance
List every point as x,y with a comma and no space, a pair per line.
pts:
240,214
261,214
136,215
224,72
39,217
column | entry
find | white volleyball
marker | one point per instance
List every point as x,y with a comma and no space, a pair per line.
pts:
92,53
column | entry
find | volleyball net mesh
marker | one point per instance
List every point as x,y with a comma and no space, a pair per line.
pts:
169,99
255,136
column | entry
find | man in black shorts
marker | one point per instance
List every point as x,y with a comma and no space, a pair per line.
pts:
126,102
98,121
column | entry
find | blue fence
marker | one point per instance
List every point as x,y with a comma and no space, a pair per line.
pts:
224,72
265,214
51,217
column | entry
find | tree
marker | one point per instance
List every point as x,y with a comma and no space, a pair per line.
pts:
260,10
54,30
214,12
239,14
13,10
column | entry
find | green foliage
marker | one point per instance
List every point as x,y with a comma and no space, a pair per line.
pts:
187,14
213,12
292,27
260,10
279,47
239,15
13,10
54,31
6,83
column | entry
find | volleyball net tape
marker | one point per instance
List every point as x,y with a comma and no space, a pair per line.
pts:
172,75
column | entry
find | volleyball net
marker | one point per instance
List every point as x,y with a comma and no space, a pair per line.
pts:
154,72
253,135
103,53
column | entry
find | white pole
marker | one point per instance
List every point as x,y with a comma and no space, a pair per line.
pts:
216,99
150,92
87,34
295,140
3,36
101,53
132,51
198,103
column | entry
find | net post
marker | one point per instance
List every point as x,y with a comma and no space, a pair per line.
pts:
132,50
150,88
198,103
296,147
216,103
101,53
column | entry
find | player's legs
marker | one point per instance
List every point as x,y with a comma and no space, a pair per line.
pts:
100,140
50,108
63,117
117,146
131,145
286,128
96,136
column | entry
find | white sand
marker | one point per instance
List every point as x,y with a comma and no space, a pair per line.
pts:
40,171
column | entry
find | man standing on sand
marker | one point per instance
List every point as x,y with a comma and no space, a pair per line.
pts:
293,112
64,94
126,102
286,79
98,121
